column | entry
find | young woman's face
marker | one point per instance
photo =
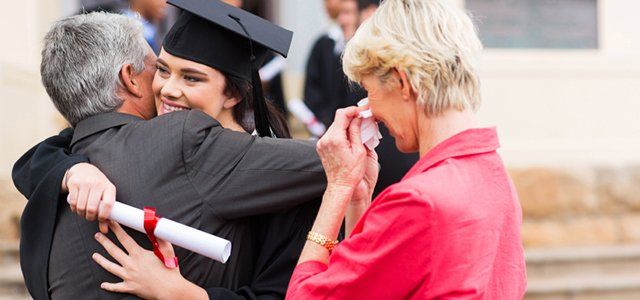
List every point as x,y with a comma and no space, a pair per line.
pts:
181,84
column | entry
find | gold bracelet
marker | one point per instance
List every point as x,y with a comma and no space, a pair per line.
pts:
321,240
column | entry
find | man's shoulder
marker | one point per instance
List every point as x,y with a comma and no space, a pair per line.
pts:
167,131
172,125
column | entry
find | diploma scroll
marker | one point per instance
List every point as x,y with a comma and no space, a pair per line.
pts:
299,110
178,234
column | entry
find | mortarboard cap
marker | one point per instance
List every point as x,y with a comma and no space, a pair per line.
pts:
230,40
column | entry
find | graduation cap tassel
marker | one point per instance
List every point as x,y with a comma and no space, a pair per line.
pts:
260,110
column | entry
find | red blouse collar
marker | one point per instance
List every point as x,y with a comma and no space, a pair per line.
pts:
468,142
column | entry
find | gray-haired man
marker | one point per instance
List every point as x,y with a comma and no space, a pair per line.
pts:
97,69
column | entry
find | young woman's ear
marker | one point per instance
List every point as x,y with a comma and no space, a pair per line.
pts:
130,81
230,102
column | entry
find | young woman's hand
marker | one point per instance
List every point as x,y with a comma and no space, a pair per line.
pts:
142,273
91,194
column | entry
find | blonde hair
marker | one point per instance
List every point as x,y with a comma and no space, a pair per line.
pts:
433,41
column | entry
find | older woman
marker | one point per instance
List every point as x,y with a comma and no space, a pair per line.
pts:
451,227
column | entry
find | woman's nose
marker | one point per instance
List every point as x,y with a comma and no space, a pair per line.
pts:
170,89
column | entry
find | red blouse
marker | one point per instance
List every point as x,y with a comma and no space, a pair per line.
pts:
449,229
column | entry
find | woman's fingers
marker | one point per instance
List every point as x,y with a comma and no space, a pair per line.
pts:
103,226
125,239
108,265
354,132
166,248
344,116
112,248
372,154
120,287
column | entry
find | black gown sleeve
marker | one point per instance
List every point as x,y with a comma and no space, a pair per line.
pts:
282,237
38,175
238,175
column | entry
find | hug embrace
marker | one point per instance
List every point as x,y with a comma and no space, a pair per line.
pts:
190,133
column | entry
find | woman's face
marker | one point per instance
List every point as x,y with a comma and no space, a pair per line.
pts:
181,84
397,111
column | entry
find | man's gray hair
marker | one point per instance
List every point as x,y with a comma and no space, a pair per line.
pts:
82,58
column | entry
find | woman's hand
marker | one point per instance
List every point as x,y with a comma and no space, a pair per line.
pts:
143,274
364,190
91,193
341,150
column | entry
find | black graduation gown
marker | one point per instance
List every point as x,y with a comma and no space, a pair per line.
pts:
38,175
278,237
326,88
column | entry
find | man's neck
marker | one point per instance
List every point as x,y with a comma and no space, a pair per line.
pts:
130,109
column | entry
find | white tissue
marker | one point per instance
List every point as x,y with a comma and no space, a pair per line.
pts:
369,131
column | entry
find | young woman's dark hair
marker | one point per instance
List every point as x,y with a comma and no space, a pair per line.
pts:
241,89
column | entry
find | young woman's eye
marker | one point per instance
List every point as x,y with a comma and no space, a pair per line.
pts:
192,79
162,69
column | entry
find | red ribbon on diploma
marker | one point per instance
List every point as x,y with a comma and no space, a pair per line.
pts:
150,222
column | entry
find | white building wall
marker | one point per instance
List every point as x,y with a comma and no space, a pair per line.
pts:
26,114
551,107
568,107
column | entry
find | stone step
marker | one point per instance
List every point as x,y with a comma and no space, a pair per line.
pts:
612,260
9,252
585,273
12,282
586,287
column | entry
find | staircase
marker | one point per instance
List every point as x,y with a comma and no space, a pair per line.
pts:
11,282
585,273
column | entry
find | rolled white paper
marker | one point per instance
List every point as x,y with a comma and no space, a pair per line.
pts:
369,131
178,234
299,110
273,68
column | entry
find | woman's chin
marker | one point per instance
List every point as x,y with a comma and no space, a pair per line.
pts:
403,146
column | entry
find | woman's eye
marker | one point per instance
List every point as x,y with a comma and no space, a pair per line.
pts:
162,70
191,79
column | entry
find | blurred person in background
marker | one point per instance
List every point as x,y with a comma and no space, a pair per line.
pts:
154,15
150,13
112,6
450,229
366,8
326,88
236,3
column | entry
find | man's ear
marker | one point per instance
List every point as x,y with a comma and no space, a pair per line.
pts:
130,80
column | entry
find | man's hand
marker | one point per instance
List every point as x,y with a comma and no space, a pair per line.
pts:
91,194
